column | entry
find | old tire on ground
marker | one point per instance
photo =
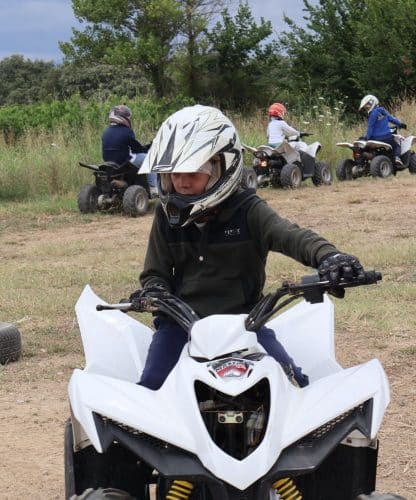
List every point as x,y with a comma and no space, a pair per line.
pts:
88,199
322,175
380,496
344,170
412,163
291,176
135,201
381,166
249,178
103,494
10,343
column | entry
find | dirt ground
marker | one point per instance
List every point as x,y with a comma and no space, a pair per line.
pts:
33,398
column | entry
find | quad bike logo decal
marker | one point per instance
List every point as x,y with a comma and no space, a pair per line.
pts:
231,367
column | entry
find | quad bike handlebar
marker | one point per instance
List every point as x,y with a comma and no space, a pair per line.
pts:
311,288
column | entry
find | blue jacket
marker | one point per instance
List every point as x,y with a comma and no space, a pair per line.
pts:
118,141
378,124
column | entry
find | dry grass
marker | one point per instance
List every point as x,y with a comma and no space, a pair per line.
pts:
47,259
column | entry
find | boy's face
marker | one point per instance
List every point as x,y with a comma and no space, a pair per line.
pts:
190,184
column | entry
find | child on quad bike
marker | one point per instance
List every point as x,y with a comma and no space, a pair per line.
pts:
378,124
119,143
278,129
210,237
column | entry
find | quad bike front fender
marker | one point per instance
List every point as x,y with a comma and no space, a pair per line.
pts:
345,144
406,145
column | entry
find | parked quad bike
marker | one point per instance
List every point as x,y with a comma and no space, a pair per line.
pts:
376,159
117,187
227,424
289,163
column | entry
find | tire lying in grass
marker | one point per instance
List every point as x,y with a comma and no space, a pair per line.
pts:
380,496
103,494
10,343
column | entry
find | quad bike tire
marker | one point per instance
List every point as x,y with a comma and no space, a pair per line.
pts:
381,166
322,175
135,201
275,181
103,494
412,163
344,170
88,199
10,343
291,176
380,496
249,178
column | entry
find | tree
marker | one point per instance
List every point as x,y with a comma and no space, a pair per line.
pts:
102,80
321,53
189,58
353,47
127,32
160,37
241,66
24,81
384,62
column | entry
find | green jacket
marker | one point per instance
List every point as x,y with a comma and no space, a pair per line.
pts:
220,268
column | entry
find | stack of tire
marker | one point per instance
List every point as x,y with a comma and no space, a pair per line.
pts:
10,343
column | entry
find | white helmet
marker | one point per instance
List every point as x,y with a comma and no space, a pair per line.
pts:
368,103
186,142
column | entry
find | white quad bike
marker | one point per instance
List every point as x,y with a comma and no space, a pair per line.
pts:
375,158
227,424
289,163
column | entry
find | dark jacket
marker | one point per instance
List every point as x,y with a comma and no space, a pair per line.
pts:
221,268
118,141
378,124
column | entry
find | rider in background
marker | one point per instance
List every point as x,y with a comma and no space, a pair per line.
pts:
278,129
119,143
210,237
378,127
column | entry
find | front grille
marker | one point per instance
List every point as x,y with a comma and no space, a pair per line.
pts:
329,426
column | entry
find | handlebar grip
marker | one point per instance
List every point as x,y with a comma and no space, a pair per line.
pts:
102,307
125,306
371,277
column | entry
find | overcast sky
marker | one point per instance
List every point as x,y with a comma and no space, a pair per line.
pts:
33,28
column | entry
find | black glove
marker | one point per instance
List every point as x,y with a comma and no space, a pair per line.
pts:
147,292
403,126
335,266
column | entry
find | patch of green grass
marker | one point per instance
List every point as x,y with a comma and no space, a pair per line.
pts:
410,350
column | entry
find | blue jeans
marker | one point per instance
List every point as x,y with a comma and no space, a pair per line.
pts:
169,340
137,162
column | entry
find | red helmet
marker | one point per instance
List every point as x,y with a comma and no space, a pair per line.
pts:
277,109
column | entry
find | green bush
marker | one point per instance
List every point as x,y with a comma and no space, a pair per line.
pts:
42,143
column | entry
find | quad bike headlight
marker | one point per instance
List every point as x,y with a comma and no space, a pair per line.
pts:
236,424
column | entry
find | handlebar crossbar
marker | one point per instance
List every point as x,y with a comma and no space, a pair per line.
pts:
311,288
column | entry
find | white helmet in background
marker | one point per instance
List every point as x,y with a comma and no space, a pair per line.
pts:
195,139
368,103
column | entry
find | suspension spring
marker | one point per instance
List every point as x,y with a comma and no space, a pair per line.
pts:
180,490
287,489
